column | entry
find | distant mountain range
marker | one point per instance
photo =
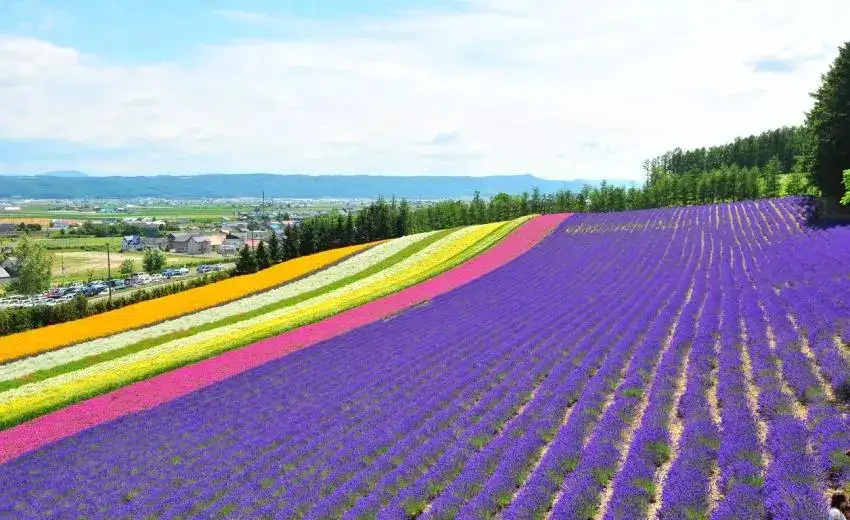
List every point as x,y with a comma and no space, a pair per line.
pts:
63,173
78,185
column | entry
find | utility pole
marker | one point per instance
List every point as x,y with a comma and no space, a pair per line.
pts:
109,272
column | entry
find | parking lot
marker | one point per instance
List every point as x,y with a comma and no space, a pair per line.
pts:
100,288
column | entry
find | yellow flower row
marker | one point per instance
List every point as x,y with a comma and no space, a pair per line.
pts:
53,393
159,309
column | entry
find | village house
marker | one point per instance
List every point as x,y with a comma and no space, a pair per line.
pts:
188,244
132,243
230,245
216,240
160,243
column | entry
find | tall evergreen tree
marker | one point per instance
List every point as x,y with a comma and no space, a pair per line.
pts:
261,255
275,250
307,239
829,126
246,262
290,246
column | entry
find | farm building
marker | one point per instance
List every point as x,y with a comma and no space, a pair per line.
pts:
155,243
189,244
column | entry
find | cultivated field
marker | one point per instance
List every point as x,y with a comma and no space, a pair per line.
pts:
675,364
77,264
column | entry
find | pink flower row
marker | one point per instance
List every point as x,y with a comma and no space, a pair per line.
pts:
171,385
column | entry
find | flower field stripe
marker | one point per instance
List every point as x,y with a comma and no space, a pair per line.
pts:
584,490
34,399
160,309
668,364
79,416
543,415
77,357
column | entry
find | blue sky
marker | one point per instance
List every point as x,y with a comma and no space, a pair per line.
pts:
564,89
139,31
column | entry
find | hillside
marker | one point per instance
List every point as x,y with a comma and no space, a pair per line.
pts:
673,363
275,186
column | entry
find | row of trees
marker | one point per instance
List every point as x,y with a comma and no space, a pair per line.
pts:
783,145
817,152
384,219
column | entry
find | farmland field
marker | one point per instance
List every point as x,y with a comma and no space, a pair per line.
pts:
75,265
43,213
682,363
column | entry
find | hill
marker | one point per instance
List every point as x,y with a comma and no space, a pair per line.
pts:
277,186
608,365
64,173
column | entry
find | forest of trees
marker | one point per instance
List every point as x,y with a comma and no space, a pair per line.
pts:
785,146
814,154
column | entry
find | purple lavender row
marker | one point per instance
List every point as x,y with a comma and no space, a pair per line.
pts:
815,306
517,445
634,487
819,307
688,483
302,484
536,496
279,450
415,466
792,487
512,471
740,457
598,461
449,502
334,503
435,477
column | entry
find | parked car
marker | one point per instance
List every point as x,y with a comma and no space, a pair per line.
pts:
93,290
54,293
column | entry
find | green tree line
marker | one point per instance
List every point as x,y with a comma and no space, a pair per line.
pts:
816,152
384,219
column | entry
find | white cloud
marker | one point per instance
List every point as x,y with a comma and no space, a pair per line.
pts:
523,86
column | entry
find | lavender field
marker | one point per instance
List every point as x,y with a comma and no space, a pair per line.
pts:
688,363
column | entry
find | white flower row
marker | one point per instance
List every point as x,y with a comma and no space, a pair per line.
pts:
421,261
333,274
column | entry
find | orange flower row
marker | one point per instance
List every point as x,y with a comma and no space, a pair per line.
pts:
168,307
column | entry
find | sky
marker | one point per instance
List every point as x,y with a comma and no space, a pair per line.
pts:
561,89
